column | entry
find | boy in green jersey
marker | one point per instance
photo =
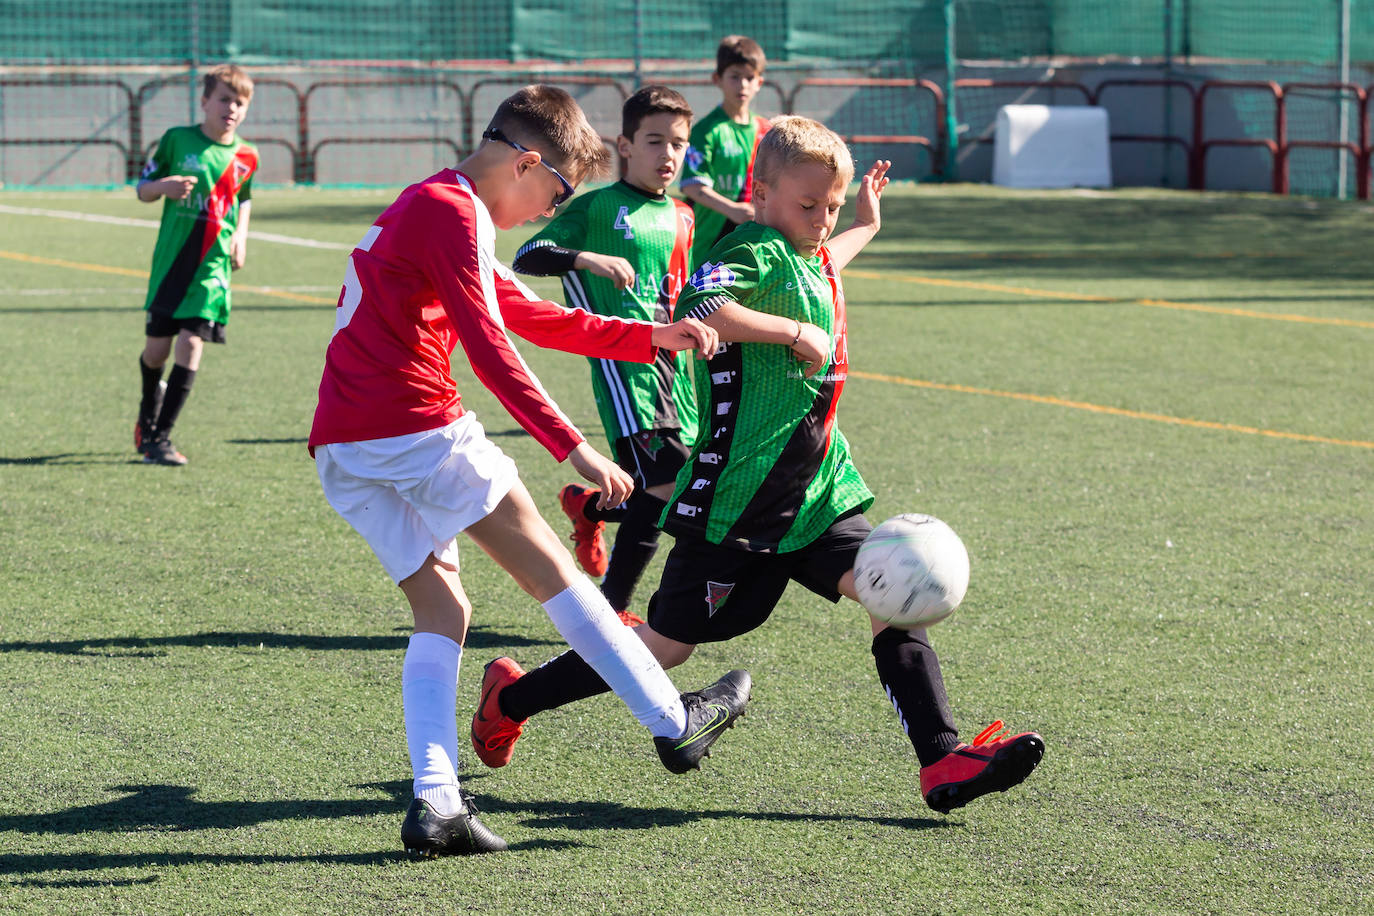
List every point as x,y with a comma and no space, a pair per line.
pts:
204,175
770,494
622,251
717,177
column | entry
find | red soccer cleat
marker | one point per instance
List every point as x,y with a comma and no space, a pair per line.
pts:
989,764
494,733
629,618
588,544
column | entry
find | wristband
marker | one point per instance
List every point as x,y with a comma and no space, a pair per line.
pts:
798,337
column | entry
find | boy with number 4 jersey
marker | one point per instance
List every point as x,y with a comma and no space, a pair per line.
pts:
204,174
770,494
622,251
402,462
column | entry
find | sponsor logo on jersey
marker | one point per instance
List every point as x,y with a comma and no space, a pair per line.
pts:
694,158
190,162
713,276
716,593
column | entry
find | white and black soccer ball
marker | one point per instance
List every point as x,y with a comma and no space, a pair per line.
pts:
911,571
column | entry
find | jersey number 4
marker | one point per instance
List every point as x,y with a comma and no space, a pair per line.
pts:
622,221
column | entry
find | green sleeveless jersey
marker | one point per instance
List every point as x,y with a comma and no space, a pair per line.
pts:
653,233
771,470
721,157
190,275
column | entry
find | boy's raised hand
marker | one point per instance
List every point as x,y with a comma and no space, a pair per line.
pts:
687,334
615,484
617,270
871,185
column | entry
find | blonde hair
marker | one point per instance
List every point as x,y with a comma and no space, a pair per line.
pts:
793,140
549,120
232,77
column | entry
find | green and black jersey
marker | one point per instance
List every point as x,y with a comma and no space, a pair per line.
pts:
190,276
720,157
654,233
770,470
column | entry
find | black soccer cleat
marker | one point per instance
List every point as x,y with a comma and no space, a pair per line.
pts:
709,713
425,833
161,451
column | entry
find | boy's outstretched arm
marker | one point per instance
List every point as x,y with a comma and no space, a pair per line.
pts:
867,217
610,478
687,334
740,324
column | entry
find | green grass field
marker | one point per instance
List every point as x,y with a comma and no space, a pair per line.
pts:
1150,416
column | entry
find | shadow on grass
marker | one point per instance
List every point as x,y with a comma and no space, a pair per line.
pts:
156,646
575,815
67,459
173,809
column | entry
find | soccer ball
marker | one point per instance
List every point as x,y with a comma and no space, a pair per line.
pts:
911,571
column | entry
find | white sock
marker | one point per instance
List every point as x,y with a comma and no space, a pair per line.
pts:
582,615
429,691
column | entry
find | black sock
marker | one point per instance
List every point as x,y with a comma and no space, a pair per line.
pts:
147,405
558,682
608,514
179,382
636,541
910,673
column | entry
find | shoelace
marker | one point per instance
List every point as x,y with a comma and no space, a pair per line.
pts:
989,734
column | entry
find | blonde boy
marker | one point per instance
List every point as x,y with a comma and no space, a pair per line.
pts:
402,461
204,173
770,494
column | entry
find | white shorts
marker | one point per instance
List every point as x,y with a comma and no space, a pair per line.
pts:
410,496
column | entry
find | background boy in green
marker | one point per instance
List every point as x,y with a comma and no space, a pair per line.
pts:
717,173
204,173
622,251
772,467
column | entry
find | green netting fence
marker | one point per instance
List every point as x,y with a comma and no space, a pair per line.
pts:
376,91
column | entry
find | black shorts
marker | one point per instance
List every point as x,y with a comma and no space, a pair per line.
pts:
652,458
162,326
711,593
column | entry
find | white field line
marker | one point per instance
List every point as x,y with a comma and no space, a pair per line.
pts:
153,224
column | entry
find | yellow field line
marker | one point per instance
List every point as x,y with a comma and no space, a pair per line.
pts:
1114,411
127,272
1084,297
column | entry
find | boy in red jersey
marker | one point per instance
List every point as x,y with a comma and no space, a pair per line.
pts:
622,251
403,462
204,173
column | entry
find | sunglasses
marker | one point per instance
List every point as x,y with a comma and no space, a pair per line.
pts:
492,133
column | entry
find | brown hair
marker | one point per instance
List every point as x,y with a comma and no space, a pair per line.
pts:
793,140
549,120
651,100
232,77
739,49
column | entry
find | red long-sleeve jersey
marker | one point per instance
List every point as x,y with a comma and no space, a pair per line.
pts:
424,279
